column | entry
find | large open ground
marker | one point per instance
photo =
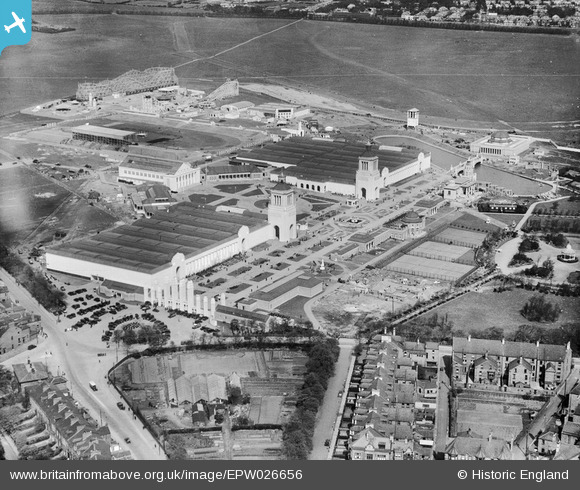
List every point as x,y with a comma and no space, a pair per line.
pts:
478,311
485,76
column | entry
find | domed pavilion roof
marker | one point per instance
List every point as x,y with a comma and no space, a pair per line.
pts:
412,217
500,137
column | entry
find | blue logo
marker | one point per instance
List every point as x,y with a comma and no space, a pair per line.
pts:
15,22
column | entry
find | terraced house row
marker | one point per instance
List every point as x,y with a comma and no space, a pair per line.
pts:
392,410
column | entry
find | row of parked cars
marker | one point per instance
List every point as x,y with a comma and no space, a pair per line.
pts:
78,291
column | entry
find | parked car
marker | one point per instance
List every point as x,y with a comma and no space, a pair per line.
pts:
121,406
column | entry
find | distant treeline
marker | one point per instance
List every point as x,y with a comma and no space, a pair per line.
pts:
258,12
462,26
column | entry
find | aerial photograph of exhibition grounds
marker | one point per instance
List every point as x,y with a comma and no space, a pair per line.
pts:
324,230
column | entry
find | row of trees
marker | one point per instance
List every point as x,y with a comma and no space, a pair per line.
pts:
553,224
556,239
38,286
142,334
297,436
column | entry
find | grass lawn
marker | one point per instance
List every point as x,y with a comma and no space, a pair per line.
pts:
216,283
262,276
319,207
233,188
507,218
230,202
478,311
473,223
238,287
240,271
204,198
255,192
565,207
280,265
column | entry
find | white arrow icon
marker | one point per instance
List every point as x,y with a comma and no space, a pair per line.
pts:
17,23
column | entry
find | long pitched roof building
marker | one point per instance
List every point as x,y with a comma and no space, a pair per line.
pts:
329,166
496,361
158,252
166,170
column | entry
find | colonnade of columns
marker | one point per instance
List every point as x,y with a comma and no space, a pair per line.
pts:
181,296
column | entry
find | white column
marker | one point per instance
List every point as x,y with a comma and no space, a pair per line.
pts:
205,306
190,298
182,294
223,299
166,295
174,295
198,303
212,312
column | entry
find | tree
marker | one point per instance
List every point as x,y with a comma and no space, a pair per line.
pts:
529,244
294,446
130,337
235,326
9,417
235,397
539,309
6,379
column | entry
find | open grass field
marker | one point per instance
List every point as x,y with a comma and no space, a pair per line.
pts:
482,76
26,199
431,268
185,138
474,223
507,218
478,311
